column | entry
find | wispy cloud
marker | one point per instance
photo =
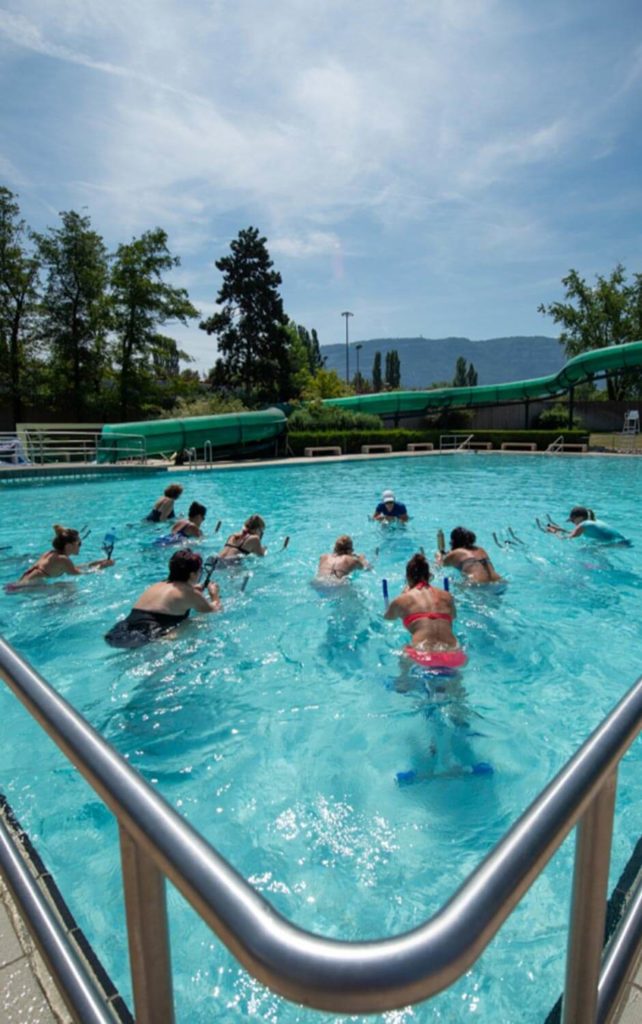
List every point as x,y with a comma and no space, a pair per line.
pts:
368,141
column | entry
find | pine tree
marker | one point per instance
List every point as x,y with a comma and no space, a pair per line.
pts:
471,376
376,373
250,328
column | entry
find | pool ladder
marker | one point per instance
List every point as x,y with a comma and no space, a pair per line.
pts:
346,977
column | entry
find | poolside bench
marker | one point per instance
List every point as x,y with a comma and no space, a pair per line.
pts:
485,445
420,446
367,449
527,446
328,450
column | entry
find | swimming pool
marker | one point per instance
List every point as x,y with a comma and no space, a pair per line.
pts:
277,728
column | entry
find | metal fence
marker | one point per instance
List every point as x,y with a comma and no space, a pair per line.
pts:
51,445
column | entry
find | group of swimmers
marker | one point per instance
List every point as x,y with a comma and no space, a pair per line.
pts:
427,611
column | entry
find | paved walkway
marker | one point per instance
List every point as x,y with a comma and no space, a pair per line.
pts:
27,993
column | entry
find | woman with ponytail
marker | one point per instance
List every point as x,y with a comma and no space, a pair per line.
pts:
247,541
427,613
57,562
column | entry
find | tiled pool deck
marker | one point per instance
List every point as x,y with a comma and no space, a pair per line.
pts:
27,993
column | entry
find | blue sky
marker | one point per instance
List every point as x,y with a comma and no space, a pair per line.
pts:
434,166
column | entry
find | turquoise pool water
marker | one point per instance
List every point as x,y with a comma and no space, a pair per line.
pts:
277,728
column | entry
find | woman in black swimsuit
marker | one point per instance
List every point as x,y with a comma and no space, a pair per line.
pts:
247,541
164,507
163,606
57,562
472,561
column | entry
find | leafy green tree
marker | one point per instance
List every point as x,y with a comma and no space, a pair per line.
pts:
142,303
377,382
326,384
74,315
250,326
393,370
316,416
311,344
608,313
298,356
471,376
19,268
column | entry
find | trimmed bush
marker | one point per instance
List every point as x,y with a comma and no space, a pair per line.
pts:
315,417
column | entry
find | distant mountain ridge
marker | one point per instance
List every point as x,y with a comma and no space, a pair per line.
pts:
425,361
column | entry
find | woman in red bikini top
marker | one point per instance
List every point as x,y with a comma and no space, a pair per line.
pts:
427,611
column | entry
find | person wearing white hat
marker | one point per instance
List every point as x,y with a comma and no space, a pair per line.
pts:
389,509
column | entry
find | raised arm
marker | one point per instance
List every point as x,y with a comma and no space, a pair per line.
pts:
200,602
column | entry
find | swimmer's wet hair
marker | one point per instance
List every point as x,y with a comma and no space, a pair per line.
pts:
462,538
182,564
63,535
196,509
173,491
253,524
580,511
417,570
343,545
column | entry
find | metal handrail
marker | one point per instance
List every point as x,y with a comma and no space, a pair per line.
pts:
81,994
457,442
330,974
465,443
556,445
41,445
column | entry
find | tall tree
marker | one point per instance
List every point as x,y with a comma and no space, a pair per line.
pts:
310,342
460,380
142,303
377,382
250,326
596,317
393,370
75,310
471,376
18,296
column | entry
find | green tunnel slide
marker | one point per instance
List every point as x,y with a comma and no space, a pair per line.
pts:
235,431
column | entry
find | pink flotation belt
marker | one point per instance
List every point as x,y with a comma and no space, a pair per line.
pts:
436,659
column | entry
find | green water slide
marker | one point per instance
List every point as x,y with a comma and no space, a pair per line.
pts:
230,431
579,369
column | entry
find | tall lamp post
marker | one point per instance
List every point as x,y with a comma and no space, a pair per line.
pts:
358,349
347,315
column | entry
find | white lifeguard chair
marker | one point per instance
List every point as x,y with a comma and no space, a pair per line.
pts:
631,422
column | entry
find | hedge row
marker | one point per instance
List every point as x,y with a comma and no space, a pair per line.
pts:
350,441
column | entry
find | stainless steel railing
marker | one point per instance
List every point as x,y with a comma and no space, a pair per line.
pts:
355,977
456,442
40,446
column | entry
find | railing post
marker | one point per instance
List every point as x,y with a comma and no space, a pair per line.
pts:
588,906
148,936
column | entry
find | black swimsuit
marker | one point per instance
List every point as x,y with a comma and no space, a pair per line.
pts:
237,547
141,626
154,516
